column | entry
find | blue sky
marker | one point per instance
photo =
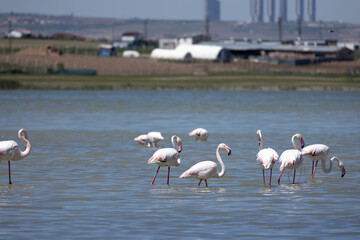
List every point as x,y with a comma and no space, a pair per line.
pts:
327,10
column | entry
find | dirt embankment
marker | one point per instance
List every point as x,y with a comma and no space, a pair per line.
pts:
144,66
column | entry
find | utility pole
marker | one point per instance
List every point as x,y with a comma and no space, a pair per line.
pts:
145,28
280,28
299,27
9,36
207,32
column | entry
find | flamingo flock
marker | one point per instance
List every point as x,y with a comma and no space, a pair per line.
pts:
167,157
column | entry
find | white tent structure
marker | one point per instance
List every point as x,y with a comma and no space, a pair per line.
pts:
187,52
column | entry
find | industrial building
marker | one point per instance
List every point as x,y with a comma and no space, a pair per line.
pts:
256,11
271,11
300,10
212,10
312,10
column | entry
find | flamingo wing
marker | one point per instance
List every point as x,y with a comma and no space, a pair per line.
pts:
9,150
201,170
164,156
267,157
291,159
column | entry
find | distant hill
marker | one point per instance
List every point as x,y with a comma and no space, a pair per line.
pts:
109,28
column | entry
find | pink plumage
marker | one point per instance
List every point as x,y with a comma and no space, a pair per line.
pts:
10,151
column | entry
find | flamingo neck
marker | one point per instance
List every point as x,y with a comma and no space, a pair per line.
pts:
293,142
261,145
173,141
327,170
26,143
222,172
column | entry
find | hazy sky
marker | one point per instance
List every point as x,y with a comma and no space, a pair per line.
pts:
327,10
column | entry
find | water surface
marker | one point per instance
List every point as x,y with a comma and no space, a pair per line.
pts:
86,179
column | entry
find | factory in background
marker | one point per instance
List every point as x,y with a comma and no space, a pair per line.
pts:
257,10
212,10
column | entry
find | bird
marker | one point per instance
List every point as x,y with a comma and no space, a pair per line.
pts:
292,158
200,134
207,169
143,139
154,137
10,151
167,157
266,157
320,152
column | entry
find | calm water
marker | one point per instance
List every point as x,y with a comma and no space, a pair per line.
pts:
87,179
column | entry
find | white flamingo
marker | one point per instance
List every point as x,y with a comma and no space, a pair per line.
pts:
292,158
167,157
200,134
266,157
207,169
142,139
154,137
320,152
10,151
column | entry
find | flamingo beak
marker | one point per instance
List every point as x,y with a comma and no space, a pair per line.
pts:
180,148
343,172
302,144
228,151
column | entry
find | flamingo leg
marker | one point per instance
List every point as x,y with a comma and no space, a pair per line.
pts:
264,176
312,169
9,173
206,183
168,175
294,176
270,177
280,175
199,183
152,183
315,169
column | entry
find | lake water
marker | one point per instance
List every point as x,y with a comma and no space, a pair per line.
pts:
87,179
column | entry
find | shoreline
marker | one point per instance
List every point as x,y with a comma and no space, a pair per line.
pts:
241,81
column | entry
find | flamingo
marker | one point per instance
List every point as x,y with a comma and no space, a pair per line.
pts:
292,158
266,157
10,151
207,169
200,134
320,152
154,137
167,157
142,139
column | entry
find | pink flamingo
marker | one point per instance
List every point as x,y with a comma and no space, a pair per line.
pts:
200,134
266,157
10,151
142,139
167,157
207,169
292,158
320,152
153,138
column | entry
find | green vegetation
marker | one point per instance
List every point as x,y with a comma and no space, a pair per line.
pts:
241,81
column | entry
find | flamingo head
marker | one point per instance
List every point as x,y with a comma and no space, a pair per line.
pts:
227,148
259,136
179,142
302,143
343,172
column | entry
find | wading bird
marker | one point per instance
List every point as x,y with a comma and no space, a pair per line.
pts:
207,169
143,139
200,134
292,158
10,151
153,138
320,152
167,157
266,157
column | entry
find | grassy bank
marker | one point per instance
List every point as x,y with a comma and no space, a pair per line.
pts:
225,81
